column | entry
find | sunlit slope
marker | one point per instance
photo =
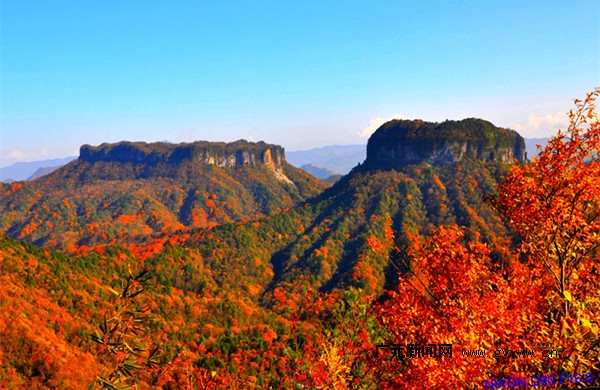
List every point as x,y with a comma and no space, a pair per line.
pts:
132,192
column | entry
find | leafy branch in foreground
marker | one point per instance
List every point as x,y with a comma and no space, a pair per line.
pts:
121,335
553,204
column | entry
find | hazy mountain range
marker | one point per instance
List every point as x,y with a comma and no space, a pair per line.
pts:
336,158
32,170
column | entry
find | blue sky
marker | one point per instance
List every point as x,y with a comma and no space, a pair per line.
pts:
299,74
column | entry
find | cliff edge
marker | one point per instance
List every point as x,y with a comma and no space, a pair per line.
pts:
221,154
401,142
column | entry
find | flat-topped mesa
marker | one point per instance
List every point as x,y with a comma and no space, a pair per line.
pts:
401,142
221,154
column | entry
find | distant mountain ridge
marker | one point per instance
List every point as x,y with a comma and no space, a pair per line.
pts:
24,170
336,158
530,145
321,173
43,172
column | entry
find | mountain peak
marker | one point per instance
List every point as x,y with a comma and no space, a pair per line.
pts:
221,154
401,142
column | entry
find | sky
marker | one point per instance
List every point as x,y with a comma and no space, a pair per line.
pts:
300,74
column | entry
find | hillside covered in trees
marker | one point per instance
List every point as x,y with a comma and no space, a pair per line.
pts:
136,194
251,274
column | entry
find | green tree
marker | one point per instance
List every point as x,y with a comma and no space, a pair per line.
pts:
122,334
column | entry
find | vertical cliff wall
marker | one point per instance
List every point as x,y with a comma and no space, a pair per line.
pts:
213,153
401,142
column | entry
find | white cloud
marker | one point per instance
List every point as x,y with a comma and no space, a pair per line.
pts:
375,124
16,155
543,126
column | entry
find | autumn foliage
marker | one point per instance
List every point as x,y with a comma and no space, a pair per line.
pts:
554,206
456,294
543,296
251,292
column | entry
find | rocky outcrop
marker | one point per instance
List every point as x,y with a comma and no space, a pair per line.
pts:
221,154
228,155
401,142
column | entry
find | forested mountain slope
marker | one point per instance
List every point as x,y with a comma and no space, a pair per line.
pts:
136,192
355,233
287,289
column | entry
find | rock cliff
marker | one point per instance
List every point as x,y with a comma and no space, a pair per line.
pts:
401,142
221,154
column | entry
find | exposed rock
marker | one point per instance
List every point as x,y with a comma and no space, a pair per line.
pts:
401,142
229,155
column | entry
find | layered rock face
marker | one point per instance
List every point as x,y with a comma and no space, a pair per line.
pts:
221,154
401,142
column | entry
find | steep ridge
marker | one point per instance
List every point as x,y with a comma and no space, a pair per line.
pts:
128,192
